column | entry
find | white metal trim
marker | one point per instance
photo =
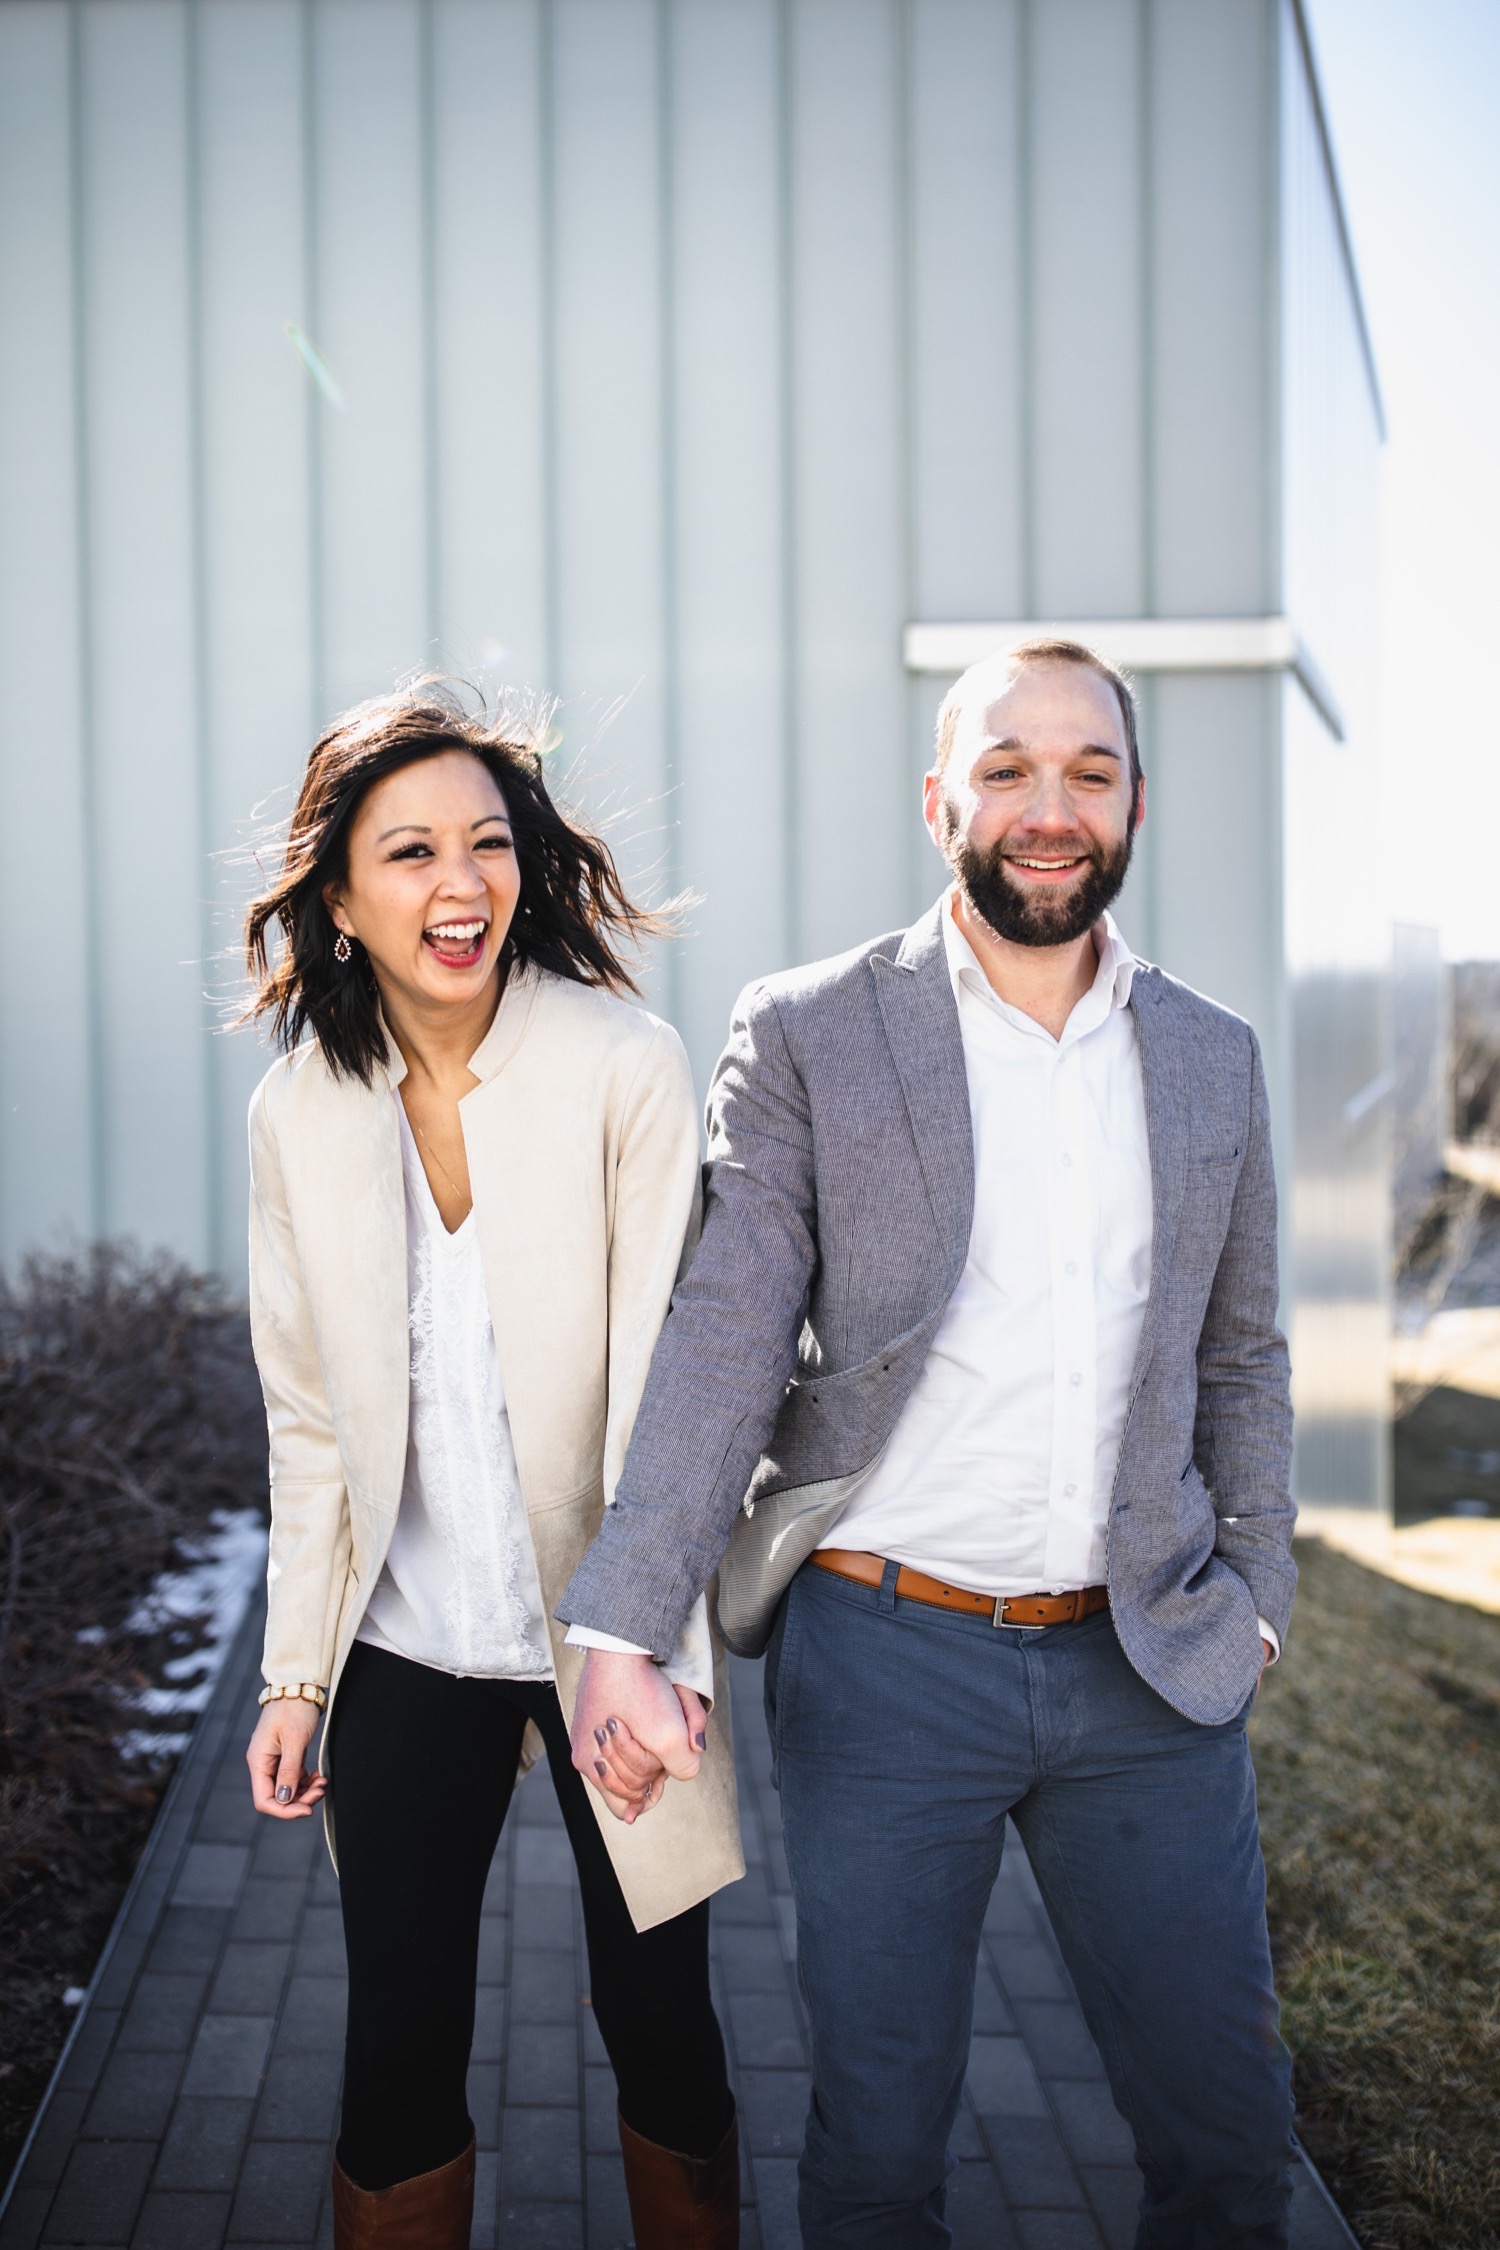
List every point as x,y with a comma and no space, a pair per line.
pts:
1138,644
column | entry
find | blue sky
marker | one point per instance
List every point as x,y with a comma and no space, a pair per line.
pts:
1413,95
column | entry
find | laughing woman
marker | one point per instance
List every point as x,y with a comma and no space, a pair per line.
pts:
472,1176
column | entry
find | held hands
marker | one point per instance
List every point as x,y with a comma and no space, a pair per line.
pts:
277,1757
631,1728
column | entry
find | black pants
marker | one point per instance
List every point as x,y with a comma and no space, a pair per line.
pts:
422,1768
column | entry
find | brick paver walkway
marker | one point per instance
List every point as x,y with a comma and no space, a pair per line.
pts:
196,2104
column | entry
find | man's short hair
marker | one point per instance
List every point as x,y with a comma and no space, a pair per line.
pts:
1045,651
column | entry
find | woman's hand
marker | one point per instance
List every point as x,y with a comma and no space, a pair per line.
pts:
277,1757
631,1728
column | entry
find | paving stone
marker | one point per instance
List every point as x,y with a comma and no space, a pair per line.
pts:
312,2017
494,1947
1057,2230
250,1979
776,2202
751,1960
992,2011
25,2214
542,2065
1002,2082
544,1986
1028,1970
94,2038
966,2142
269,1908
748,1900
594,2049
181,2222
188,1939
284,1847
497,1885
1010,1912
319,1949
1035,2169
544,1917
211,1875
55,2135
544,1856
229,2054
607,2207
539,2157
162,2014
1093,2128
322,1881
300,2097
765,2031
541,2226
1114,2193
773,2107
134,2097
489,2024
280,2192
101,2193
204,2142
116,1979
1057,2039
600,2108
483,2096
976,2211
486,2229
1315,2222
228,1817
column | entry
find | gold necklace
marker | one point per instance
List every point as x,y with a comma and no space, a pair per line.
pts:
466,1200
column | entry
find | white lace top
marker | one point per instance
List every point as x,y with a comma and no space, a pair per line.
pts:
459,1590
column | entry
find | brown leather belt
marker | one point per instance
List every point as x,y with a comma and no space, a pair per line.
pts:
1030,1612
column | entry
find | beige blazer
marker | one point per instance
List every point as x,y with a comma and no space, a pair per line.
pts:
582,1140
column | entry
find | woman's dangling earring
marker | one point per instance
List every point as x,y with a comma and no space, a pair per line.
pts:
343,951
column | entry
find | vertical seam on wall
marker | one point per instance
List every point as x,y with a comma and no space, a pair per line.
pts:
790,831
673,776
1274,282
427,176
203,760
317,633
903,94
1026,291
83,541
1145,48
547,214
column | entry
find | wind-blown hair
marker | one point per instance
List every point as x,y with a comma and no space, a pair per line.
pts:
571,917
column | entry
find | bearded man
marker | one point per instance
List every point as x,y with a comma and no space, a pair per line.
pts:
974,1397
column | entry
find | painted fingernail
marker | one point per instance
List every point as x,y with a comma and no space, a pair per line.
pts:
599,1736
613,1725
599,1767
699,1741
283,1795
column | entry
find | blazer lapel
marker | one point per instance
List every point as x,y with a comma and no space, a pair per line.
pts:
920,1017
1165,1080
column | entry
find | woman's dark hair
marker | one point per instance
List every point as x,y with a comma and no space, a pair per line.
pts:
572,911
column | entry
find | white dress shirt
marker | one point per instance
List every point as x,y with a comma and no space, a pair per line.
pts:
459,1589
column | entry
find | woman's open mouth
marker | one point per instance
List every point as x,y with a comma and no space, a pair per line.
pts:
458,945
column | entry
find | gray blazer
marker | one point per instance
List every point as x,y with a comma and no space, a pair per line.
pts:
839,1199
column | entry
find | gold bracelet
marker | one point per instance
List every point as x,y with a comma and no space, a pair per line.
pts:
307,1690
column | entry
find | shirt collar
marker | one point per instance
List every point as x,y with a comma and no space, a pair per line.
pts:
1110,989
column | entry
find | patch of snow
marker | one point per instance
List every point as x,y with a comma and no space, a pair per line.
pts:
214,1582
73,1997
91,1636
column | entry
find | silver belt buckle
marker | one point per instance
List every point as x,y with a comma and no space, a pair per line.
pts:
1010,1625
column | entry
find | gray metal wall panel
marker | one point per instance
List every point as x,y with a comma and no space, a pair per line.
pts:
258,705
488,296
1087,309
729,514
138,357
607,246
46,1107
370,312
967,312
855,842
1212,512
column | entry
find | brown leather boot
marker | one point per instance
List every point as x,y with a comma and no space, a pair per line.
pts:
683,2202
432,2212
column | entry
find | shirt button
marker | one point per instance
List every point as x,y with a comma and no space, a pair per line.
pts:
1069,1490
1071,1266
1067,1160
1075,1380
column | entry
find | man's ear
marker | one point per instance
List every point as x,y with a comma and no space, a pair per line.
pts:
1140,805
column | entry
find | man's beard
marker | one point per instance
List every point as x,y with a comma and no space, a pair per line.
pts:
1039,917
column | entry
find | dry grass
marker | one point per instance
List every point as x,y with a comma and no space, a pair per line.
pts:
1377,1744
129,1412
